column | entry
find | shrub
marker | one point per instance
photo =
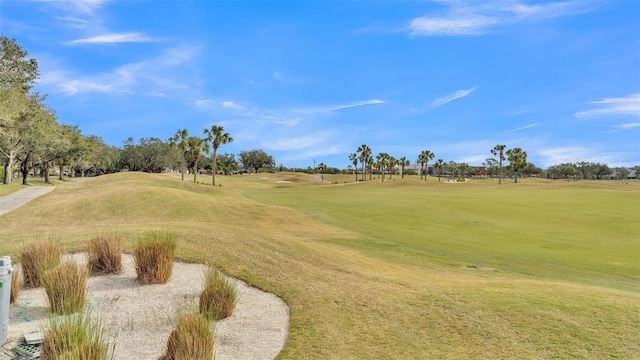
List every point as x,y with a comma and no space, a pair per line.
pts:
154,257
15,286
66,287
218,298
190,340
75,337
105,255
37,258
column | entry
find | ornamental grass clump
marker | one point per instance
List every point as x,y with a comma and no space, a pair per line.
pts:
218,298
66,287
105,255
190,340
36,258
154,257
15,286
75,337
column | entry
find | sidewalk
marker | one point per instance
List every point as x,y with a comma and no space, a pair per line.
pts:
21,197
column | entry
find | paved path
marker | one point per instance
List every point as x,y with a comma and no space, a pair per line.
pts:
21,197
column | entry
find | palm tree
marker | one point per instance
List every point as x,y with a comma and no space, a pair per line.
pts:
179,140
382,160
322,167
438,165
403,162
197,146
498,150
391,161
517,160
216,136
365,153
354,159
370,164
423,159
428,155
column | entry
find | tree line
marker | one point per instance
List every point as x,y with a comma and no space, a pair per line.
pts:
32,139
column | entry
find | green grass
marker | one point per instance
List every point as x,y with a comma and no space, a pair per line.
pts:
579,234
373,270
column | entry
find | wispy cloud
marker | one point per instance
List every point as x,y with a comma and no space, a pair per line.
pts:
159,75
475,18
114,38
232,105
629,105
77,6
626,126
451,97
571,154
470,24
330,108
523,127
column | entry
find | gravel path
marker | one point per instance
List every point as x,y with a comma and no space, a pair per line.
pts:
141,317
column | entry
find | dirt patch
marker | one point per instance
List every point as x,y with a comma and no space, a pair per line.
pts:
140,317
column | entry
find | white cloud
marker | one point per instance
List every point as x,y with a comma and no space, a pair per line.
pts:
571,154
629,105
459,25
331,108
523,127
113,38
451,97
231,105
202,102
627,126
475,18
77,6
159,75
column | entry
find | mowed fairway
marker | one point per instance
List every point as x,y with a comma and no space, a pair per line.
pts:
403,269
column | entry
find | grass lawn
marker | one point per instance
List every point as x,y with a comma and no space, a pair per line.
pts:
404,269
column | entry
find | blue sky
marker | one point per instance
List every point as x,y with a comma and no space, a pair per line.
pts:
313,80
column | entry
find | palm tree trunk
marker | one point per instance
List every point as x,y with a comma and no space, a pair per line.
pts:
182,166
195,172
213,177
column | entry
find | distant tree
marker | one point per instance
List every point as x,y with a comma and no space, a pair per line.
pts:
256,159
517,160
498,151
216,136
391,163
424,158
322,167
354,160
439,165
180,140
403,162
149,155
197,146
365,154
464,169
227,163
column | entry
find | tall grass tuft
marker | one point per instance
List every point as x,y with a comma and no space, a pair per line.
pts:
218,298
66,287
15,285
154,257
190,340
105,255
75,337
36,258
